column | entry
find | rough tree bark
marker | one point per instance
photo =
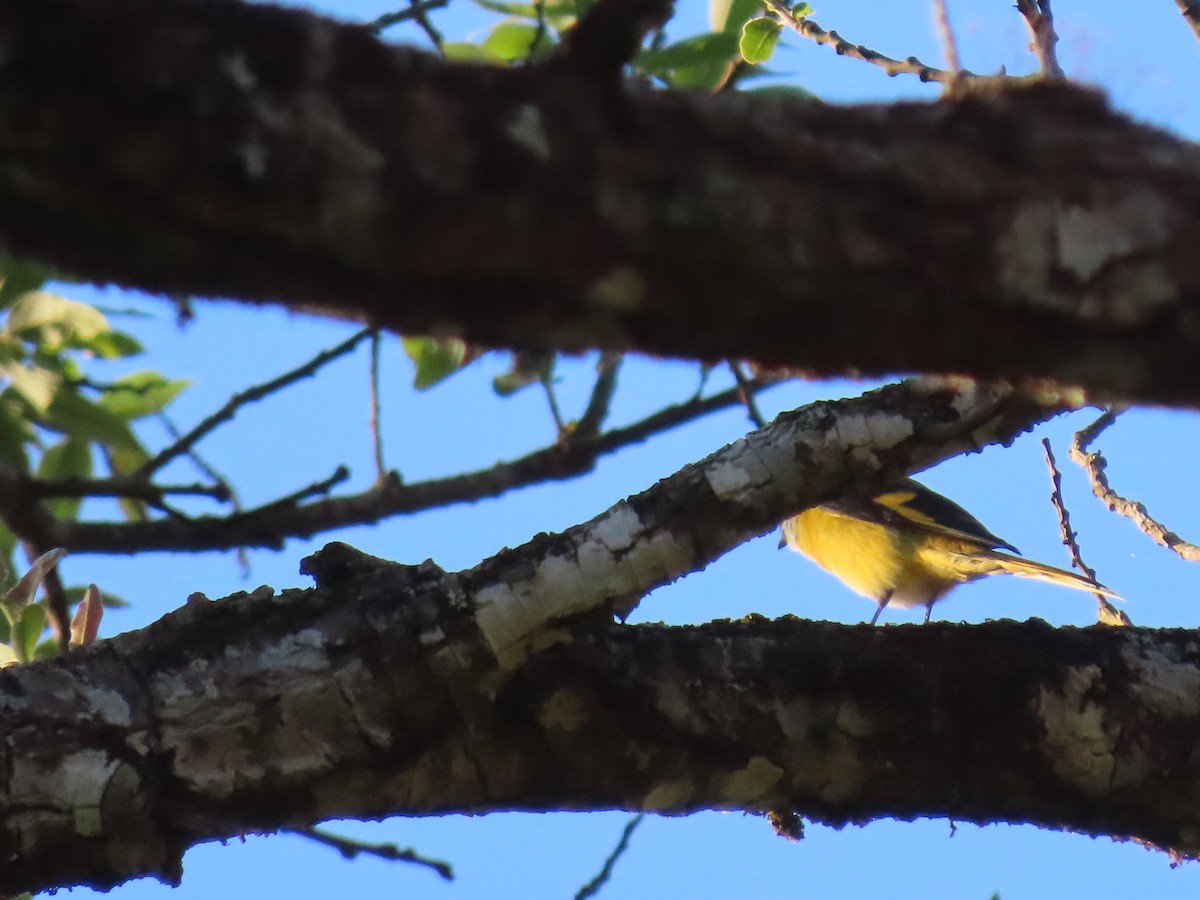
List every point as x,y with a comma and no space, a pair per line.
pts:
404,689
273,156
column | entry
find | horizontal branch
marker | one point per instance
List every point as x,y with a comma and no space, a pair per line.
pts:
1011,230
375,695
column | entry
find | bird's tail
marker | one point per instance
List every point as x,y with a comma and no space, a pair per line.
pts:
1027,568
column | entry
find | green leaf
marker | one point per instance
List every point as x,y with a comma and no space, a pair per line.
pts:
517,10
140,394
75,415
8,656
730,15
37,386
15,433
114,345
701,50
461,51
515,41
17,278
69,458
787,91
27,631
527,367
801,11
54,320
759,37
435,358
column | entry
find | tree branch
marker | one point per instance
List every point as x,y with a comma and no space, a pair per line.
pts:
271,524
330,171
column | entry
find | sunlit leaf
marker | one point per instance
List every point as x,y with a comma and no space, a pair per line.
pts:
140,394
27,631
36,385
435,358
461,51
86,622
21,594
730,15
759,37
55,320
513,41
69,458
114,345
8,656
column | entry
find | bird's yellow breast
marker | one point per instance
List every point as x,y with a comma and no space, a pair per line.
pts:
872,559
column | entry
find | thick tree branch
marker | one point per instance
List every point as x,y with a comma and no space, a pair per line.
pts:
376,694
326,170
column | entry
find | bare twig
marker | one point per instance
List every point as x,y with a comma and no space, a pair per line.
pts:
593,887
941,18
1040,21
201,463
316,489
1191,14
1106,613
404,15
593,417
373,423
350,848
1095,464
746,394
547,382
240,399
806,27
420,17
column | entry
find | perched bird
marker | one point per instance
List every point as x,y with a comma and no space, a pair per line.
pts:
909,546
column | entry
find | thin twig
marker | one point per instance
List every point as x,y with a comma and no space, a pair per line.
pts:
1095,464
1040,21
547,382
420,17
806,27
316,489
539,34
746,394
350,848
941,18
374,424
201,463
593,887
1106,613
1191,14
238,400
593,417
404,15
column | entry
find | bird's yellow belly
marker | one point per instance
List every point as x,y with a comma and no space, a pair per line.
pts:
869,558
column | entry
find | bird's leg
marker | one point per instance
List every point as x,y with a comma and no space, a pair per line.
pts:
883,601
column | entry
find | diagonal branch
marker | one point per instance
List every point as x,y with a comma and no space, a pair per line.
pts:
806,27
271,524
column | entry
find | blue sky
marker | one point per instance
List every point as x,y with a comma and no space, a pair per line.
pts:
1150,63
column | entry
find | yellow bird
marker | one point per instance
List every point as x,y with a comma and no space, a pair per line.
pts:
909,546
